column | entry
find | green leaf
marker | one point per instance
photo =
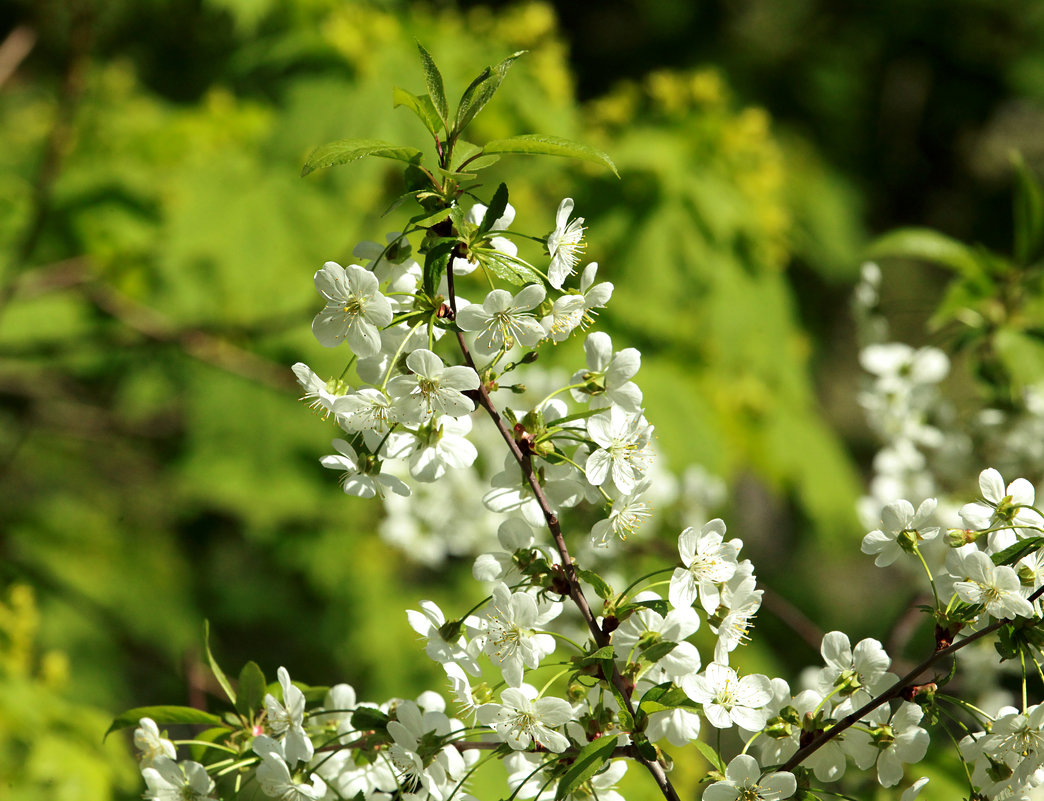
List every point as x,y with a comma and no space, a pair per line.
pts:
495,210
654,653
506,267
1021,355
218,734
435,263
433,80
219,674
427,219
421,106
163,714
925,244
481,91
603,653
251,689
626,718
601,586
587,763
664,696
541,145
1029,213
710,754
365,718
344,151
659,606
462,151
1016,551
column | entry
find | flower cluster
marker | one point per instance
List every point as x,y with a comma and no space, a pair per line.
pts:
564,688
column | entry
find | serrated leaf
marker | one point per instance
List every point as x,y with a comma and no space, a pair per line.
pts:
603,653
506,267
587,763
219,674
421,106
435,262
1029,213
162,715
428,219
710,754
433,80
251,689
654,653
495,209
924,244
601,586
345,151
1016,551
658,605
664,696
481,90
542,145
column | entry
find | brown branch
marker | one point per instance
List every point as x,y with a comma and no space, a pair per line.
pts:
576,592
197,344
792,617
907,681
13,50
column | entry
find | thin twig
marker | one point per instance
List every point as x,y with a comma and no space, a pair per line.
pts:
907,681
576,592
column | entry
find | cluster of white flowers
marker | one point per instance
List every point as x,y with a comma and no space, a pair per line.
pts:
427,363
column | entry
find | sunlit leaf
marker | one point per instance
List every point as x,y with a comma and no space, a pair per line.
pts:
587,763
163,715
924,244
421,106
345,151
481,91
436,88
541,145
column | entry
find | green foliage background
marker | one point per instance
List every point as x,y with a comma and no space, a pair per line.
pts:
157,248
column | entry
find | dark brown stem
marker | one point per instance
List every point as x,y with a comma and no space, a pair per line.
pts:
907,681
576,592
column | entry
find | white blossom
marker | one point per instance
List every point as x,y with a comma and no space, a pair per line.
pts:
355,309
286,720
359,476
167,780
744,782
513,637
607,379
434,388
623,455
729,699
997,587
147,739
564,244
902,528
708,560
1003,507
503,320
522,718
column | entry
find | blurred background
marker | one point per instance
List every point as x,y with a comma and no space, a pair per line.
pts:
157,247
